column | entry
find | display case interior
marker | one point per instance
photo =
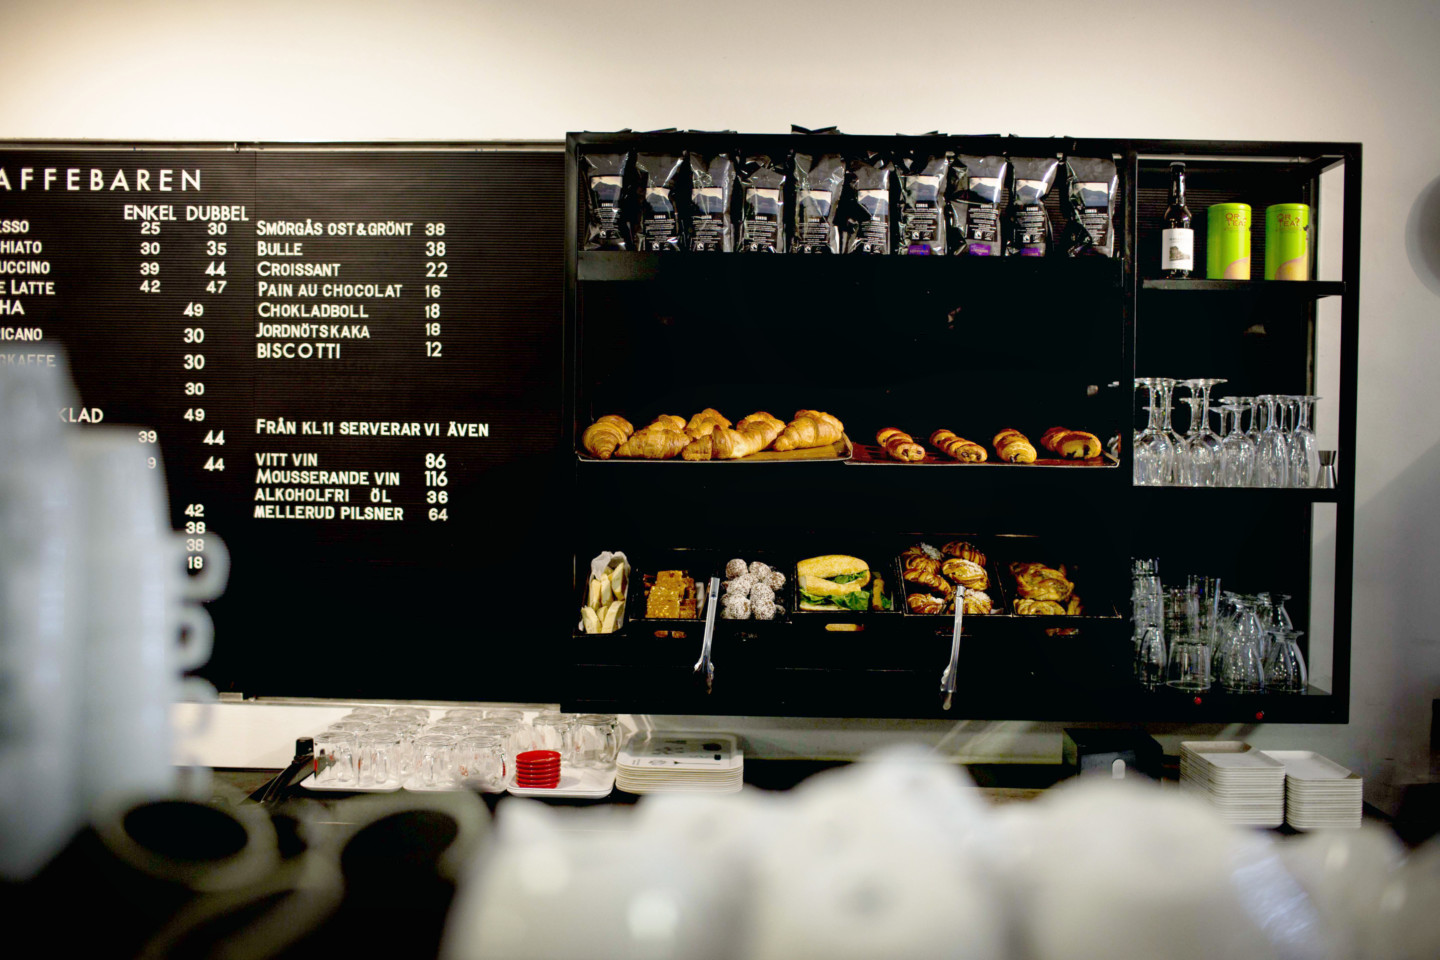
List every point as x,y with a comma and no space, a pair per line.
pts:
972,344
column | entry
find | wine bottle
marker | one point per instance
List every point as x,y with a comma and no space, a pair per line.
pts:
1177,247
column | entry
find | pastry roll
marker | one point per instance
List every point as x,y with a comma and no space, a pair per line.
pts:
1038,608
958,448
966,573
925,603
964,550
1071,444
977,602
1012,446
930,580
922,563
900,445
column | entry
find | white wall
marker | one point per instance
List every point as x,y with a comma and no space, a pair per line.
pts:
448,69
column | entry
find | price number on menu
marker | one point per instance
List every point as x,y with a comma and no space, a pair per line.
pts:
194,536
436,480
436,269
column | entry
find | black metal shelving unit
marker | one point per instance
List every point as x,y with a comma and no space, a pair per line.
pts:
973,344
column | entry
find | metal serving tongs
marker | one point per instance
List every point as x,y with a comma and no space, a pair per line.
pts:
705,667
947,679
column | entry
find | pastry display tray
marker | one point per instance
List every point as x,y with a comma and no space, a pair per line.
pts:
840,450
869,454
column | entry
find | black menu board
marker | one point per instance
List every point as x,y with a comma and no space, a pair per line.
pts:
348,364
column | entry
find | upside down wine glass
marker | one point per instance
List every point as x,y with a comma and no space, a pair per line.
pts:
1237,453
1174,467
1204,447
1272,453
1153,453
1307,454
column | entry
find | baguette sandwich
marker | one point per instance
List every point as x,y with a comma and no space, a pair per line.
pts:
833,582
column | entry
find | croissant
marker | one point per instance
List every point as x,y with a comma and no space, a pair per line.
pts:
899,444
1038,608
927,579
654,443
705,421
966,573
604,435
668,421
925,603
963,550
810,428
1012,446
751,435
958,448
701,448
1071,444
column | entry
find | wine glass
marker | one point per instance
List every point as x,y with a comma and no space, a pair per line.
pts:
1237,453
1175,466
1307,456
1204,447
1252,432
1272,453
1153,453
1285,665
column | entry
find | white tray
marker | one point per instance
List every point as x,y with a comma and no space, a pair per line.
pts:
586,783
1308,765
309,784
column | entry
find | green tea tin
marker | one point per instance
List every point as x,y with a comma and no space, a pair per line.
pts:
1227,242
1287,241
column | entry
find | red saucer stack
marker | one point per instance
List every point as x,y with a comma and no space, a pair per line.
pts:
537,769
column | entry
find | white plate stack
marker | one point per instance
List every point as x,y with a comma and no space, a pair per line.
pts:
657,762
1319,793
1245,786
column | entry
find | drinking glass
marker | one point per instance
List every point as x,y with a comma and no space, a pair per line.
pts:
464,713
1202,596
1272,453
1307,454
482,762
504,729
1237,452
504,713
335,757
352,726
595,740
361,713
1150,659
1282,616
434,766
378,759
550,731
1189,665
1241,668
412,714
1285,666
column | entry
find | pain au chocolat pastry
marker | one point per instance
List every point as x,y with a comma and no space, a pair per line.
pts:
900,445
1012,446
810,428
1071,444
966,573
604,436
958,448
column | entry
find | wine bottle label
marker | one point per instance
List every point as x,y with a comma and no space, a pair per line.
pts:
1177,249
